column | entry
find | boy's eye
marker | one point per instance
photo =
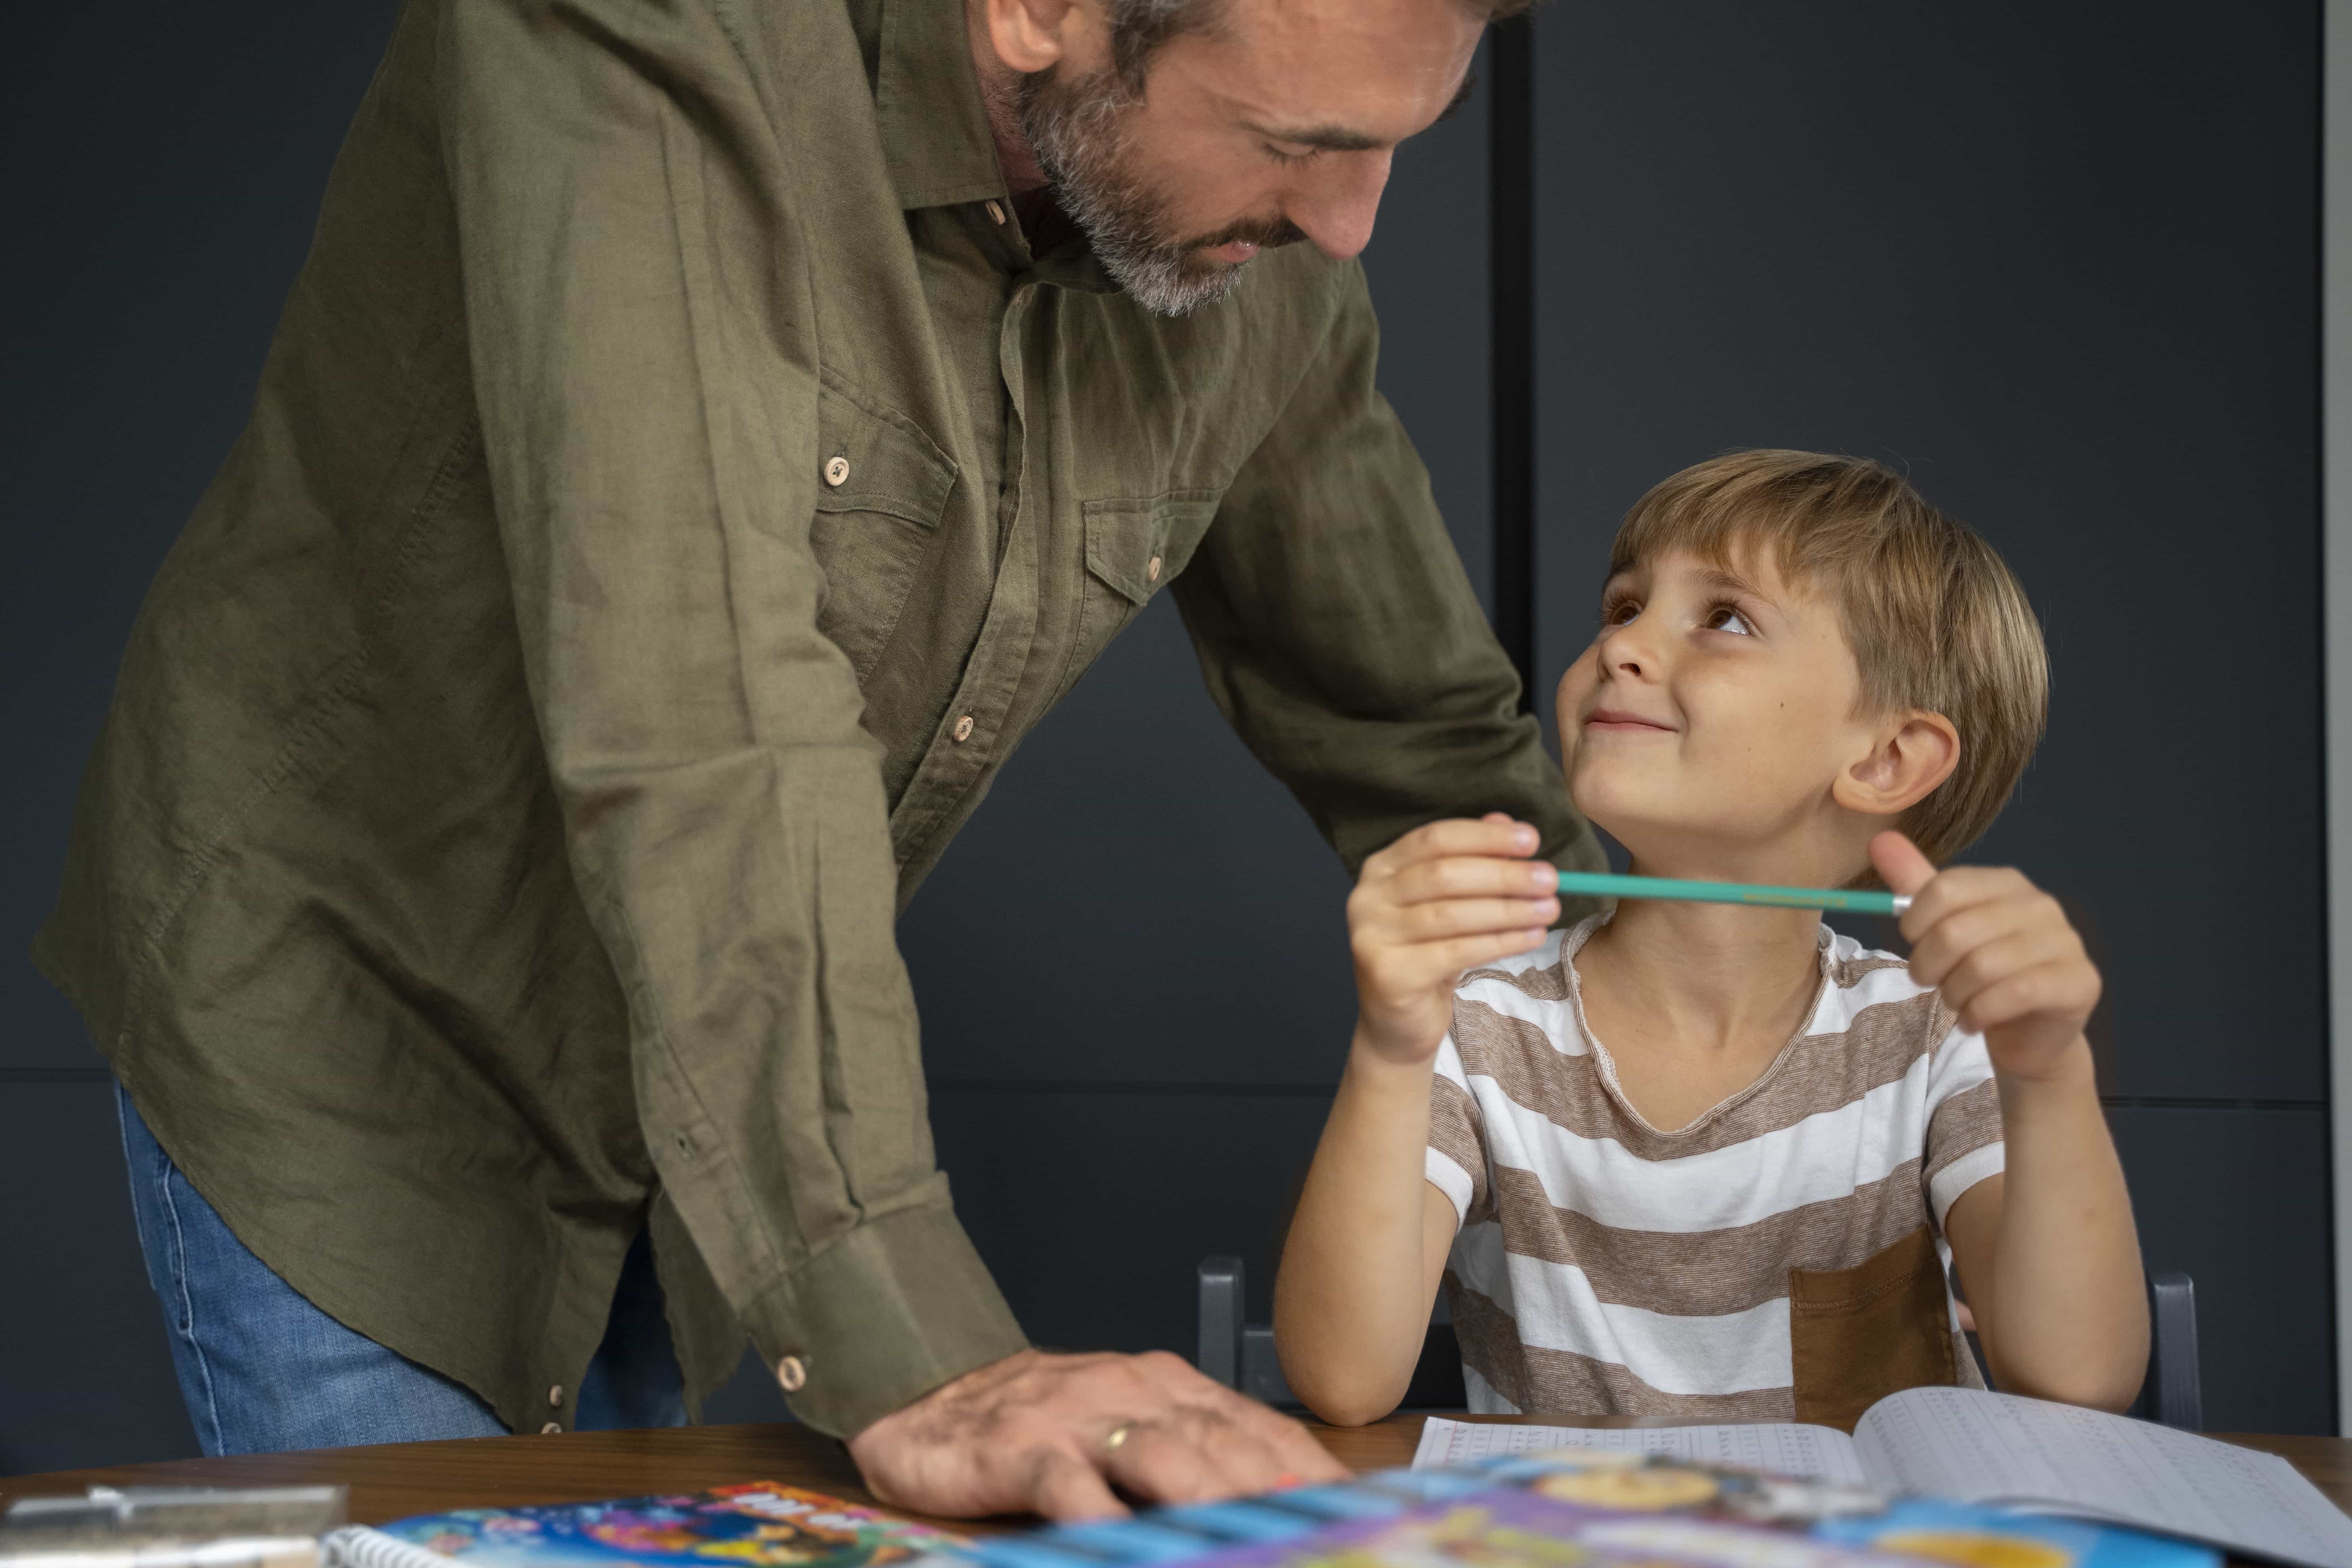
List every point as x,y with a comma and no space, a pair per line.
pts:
1618,612
1727,618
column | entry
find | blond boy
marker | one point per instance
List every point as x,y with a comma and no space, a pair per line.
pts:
1714,1160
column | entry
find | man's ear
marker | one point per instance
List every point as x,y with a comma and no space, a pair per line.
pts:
1029,35
1911,756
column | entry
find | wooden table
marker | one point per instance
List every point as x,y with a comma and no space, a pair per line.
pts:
402,1479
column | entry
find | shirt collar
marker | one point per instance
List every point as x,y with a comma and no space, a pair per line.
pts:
927,105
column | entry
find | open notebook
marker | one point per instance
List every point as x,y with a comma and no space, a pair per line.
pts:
1974,1446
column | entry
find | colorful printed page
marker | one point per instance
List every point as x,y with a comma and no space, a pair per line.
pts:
757,1525
1785,1448
1983,1447
1580,1509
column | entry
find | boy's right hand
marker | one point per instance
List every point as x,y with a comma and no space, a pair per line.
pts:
1444,897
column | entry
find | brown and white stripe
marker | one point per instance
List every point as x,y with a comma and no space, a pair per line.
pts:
1603,1265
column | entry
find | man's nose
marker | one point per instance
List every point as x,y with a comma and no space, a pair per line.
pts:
1335,207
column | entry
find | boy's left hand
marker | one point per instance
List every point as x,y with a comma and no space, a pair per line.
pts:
1999,949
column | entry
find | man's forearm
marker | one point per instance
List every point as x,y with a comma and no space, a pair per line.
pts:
2068,1316
1351,1304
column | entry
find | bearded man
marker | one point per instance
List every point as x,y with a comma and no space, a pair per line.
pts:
706,436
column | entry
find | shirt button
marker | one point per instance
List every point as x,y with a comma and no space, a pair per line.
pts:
555,1395
996,212
551,1426
1152,571
791,1373
837,471
963,729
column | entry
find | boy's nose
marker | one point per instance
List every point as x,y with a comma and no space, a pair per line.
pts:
1623,649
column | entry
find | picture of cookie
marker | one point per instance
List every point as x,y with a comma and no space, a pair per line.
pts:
1974,1549
1648,1488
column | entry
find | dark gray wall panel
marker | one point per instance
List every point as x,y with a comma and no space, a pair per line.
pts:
1094,1209
2060,266
84,1369
1137,901
2223,1196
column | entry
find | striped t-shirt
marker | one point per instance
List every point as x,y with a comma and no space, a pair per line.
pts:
1781,1258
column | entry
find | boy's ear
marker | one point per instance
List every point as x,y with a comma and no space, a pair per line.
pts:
1912,756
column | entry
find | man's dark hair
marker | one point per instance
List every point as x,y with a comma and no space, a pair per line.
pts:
1138,27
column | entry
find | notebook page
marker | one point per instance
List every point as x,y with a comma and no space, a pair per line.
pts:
1779,1447
1995,1447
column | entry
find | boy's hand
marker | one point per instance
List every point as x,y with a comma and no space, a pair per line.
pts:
1999,949
1442,899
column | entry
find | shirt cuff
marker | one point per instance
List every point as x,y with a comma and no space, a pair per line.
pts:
887,1313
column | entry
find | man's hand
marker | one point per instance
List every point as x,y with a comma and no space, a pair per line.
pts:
1441,899
1053,1433
2000,951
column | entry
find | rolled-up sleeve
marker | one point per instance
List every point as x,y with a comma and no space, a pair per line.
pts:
645,382
1340,636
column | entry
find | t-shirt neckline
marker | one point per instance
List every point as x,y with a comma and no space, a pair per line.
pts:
1573,943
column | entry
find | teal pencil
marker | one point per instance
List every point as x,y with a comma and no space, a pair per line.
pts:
1602,885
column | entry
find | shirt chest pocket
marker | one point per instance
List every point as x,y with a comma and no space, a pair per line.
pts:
1858,1334
882,487
1134,548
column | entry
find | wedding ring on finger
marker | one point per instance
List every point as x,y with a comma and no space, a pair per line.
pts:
1118,1435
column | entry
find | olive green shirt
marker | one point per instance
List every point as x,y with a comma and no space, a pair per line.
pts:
672,491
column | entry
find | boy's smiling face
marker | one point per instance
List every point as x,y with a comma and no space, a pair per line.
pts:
1713,727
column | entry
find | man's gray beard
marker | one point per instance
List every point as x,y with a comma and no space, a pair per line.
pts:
1079,132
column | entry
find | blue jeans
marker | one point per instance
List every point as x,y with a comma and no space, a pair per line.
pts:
263,1370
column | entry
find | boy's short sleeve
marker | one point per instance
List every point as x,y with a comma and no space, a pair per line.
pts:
1455,1162
1964,1137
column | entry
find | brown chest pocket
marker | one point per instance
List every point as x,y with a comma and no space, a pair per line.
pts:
1858,1334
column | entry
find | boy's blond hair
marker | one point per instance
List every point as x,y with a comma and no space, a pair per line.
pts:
1935,618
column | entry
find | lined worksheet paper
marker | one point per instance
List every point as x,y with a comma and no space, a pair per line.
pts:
1989,1447
1780,1447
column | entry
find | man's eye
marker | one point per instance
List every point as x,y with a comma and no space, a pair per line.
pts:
1724,618
1281,156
